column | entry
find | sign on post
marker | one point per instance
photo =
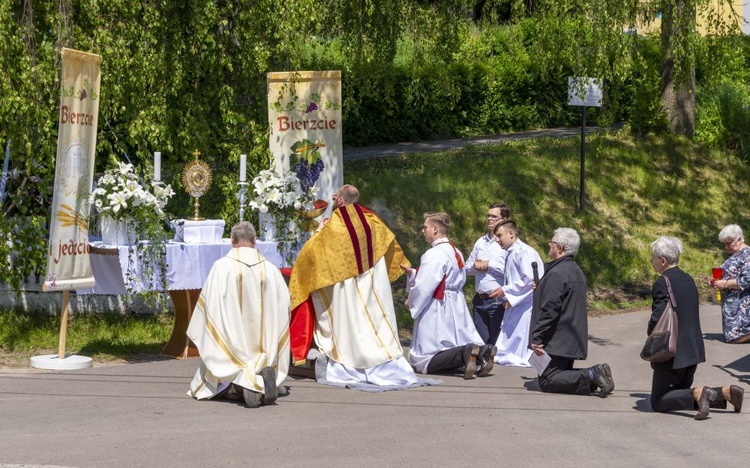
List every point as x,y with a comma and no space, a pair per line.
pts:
584,92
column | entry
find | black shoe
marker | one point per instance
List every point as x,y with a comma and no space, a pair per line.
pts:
603,379
470,360
486,360
252,399
269,384
232,392
704,401
736,394
608,375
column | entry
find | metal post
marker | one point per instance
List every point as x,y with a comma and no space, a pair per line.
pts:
583,159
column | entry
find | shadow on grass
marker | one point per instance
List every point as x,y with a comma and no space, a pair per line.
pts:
129,352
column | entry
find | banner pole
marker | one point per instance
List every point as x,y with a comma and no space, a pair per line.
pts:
60,361
583,160
63,324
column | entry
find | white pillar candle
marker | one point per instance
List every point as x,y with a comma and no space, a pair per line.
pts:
243,167
157,166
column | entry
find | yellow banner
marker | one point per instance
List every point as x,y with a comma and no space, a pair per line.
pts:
68,265
304,116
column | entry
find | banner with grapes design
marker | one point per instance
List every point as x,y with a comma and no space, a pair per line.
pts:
304,116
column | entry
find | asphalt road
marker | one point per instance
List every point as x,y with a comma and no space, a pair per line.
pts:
397,149
139,415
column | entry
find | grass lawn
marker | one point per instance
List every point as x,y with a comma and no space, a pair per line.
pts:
637,189
104,337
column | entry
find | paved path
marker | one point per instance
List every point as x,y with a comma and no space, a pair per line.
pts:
380,151
139,415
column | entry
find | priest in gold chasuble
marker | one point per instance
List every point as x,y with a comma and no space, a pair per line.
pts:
341,296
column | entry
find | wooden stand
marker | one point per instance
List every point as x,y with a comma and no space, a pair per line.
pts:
63,324
179,345
61,361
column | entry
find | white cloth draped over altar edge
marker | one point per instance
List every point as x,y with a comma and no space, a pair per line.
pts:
188,266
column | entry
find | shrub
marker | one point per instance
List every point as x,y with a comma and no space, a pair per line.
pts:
723,117
641,93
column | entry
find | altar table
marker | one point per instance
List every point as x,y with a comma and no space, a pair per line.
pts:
188,265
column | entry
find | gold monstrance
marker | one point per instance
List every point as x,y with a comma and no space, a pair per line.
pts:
196,178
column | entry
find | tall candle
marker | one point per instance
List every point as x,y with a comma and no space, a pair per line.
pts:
157,166
243,167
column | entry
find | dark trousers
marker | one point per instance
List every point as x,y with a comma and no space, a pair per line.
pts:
448,359
671,389
560,377
488,316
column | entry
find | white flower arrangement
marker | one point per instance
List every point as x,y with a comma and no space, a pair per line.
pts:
280,196
120,195
280,200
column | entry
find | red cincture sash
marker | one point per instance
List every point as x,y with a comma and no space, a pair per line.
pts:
440,291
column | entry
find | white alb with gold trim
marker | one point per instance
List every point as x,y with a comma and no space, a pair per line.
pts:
357,329
240,324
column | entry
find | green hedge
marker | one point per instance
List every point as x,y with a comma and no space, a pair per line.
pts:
180,76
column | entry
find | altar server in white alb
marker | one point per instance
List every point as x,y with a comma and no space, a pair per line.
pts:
513,342
240,326
444,337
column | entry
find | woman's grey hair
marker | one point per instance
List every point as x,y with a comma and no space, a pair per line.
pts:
667,247
730,233
244,231
568,239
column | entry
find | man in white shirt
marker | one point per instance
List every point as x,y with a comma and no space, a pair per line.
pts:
487,263
513,342
444,337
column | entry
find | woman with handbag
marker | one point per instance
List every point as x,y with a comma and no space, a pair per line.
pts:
671,385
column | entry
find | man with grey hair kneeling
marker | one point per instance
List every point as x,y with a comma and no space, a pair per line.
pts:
559,323
240,326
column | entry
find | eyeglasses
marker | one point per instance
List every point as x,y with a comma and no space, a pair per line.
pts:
555,243
730,242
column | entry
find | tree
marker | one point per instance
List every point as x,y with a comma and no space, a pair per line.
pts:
595,38
678,65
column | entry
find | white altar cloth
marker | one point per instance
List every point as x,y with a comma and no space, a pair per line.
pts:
207,230
187,266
